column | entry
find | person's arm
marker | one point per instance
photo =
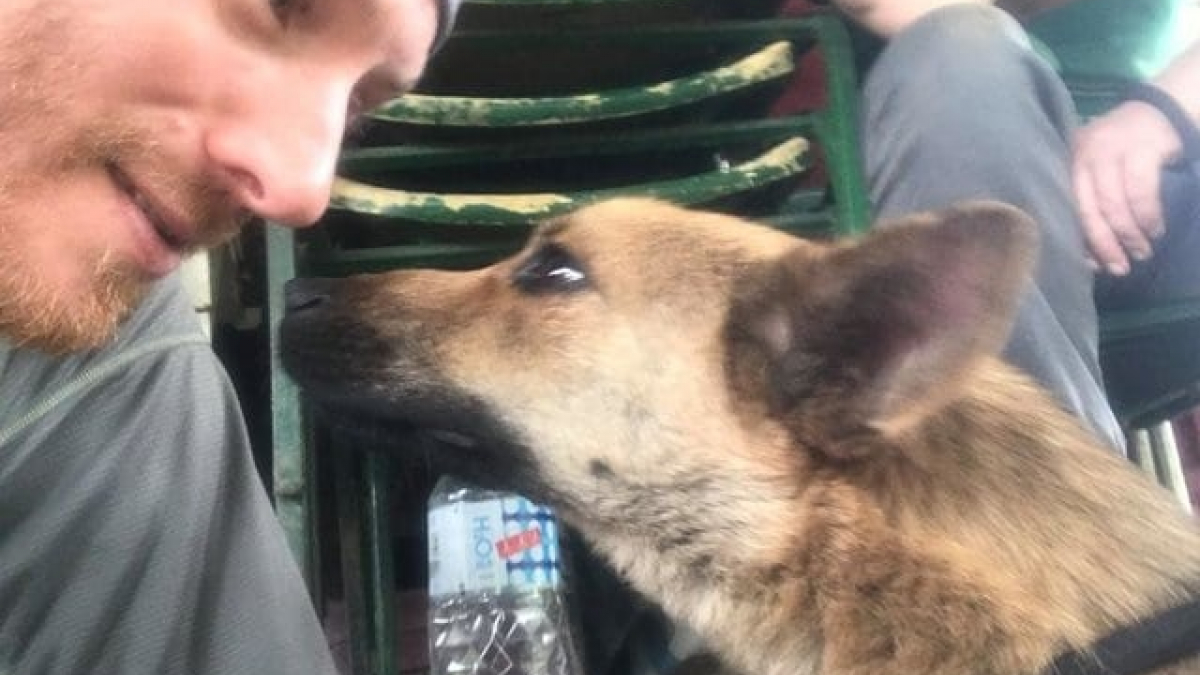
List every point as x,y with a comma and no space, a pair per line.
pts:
886,18
1118,161
1023,9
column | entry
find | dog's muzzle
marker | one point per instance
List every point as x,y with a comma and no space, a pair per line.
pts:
305,294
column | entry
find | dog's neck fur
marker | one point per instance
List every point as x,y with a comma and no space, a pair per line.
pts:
902,569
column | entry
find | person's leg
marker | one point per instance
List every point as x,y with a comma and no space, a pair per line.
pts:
958,106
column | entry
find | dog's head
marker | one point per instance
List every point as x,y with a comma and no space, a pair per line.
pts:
637,342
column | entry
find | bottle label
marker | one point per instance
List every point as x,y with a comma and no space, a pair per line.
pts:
492,544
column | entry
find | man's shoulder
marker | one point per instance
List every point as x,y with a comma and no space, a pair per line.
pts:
160,329
166,311
164,316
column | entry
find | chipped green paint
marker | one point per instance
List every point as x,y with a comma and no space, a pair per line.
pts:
836,127
448,208
770,62
786,159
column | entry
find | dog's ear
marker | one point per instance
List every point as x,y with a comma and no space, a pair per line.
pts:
870,337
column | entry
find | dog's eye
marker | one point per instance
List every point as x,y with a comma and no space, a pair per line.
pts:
550,269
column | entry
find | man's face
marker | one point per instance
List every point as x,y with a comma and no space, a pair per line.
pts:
137,131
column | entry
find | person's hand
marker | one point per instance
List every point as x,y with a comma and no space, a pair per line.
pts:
1118,160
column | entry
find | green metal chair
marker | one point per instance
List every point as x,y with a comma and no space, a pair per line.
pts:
1121,329
684,106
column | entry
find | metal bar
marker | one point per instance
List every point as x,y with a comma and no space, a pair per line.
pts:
786,159
837,128
1170,467
768,63
352,545
376,471
1118,325
380,160
382,259
800,31
291,470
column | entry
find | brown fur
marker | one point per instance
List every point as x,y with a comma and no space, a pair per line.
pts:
806,451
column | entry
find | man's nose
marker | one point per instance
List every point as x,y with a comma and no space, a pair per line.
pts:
278,156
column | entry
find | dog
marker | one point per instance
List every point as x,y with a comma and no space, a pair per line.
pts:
807,451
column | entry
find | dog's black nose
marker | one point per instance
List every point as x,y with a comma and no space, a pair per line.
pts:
302,294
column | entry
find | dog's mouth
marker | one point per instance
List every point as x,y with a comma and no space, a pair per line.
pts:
462,439
387,431
382,424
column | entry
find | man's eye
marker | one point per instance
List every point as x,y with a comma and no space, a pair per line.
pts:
550,269
286,10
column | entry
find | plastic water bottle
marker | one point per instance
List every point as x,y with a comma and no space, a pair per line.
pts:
497,598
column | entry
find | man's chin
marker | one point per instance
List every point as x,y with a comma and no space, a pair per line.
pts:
58,326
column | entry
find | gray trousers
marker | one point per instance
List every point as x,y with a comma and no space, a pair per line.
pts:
959,106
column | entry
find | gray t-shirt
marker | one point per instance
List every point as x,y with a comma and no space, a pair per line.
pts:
135,536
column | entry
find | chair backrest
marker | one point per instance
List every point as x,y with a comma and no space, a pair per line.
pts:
692,107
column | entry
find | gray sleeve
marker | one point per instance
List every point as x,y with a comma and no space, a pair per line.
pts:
137,538
958,107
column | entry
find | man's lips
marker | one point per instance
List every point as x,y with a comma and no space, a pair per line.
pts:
168,225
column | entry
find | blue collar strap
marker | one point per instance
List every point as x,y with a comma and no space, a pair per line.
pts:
1155,642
